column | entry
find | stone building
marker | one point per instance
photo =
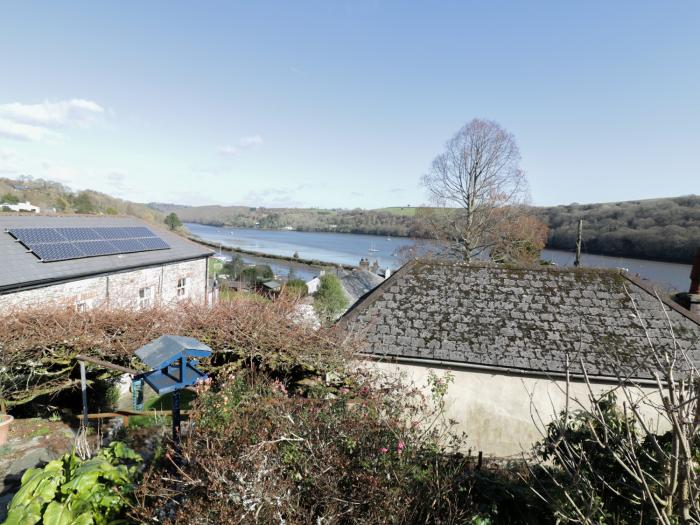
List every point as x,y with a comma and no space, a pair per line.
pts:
510,336
85,262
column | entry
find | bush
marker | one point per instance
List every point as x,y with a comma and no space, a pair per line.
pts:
39,345
330,299
69,490
257,455
296,288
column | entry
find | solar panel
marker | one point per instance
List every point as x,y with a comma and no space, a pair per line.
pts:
129,245
79,234
138,231
96,248
60,251
60,244
154,243
37,235
111,233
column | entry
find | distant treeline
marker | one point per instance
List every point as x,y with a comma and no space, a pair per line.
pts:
663,229
372,222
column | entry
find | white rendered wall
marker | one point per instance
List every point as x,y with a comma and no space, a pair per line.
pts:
498,411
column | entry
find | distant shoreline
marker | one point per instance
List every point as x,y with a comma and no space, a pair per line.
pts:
314,262
300,262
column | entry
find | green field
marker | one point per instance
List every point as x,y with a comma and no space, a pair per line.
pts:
406,211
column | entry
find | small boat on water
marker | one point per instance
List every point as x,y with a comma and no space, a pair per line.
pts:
388,238
372,248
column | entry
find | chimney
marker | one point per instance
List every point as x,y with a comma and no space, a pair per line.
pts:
691,300
695,275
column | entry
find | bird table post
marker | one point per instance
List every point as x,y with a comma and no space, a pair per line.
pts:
172,359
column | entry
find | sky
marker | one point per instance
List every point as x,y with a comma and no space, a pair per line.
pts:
344,104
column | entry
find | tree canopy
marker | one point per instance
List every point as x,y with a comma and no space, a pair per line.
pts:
477,189
173,221
330,300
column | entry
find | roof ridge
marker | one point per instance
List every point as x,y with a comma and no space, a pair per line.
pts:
649,288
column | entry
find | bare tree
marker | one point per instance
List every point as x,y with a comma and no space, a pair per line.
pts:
477,187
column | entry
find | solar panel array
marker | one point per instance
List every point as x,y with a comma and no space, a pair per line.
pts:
61,244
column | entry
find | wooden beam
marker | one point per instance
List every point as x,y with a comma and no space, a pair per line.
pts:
106,364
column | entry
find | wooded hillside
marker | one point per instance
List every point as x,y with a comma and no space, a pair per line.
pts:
49,195
664,229
373,222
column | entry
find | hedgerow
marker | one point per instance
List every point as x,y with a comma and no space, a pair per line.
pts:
38,347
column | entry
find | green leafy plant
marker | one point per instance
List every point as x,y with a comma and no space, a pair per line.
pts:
330,298
72,491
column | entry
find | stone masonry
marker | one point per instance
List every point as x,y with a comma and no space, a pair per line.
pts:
120,289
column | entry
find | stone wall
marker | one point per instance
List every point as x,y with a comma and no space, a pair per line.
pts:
121,289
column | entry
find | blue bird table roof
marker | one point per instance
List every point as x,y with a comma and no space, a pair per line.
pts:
160,352
162,355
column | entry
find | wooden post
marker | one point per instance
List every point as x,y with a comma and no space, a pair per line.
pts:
579,235
176,419
83,386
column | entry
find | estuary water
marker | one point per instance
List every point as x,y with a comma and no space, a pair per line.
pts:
348,248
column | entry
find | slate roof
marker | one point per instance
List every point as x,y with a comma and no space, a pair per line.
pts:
20,268
357,283
521,319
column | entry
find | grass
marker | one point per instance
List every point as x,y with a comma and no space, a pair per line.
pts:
226,294
215,267
43,431
164,402
406,211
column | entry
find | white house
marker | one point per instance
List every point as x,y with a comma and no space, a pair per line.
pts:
85,262
511,335
20,206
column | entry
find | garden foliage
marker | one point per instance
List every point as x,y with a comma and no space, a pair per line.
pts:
38,346
354,450
72,491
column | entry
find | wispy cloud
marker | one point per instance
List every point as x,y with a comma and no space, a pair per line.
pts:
243,143
36,122
117,182
8,161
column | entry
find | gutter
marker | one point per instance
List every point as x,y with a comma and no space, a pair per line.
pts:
523,372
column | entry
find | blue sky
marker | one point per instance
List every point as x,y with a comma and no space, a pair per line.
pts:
345,104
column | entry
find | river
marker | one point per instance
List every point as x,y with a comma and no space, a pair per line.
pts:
348,248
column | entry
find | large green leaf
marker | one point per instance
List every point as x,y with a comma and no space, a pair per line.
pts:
58,514
24,515
39,486
84,519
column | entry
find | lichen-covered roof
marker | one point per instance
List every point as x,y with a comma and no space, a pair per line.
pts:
529,319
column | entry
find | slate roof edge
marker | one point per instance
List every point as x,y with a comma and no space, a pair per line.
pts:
373,295
30,285
508,370
648,287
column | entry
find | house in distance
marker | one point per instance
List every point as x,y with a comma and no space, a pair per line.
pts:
89,261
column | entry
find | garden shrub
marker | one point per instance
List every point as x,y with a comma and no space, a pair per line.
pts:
72,491
38,346
364,453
